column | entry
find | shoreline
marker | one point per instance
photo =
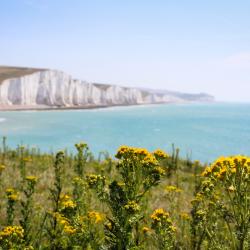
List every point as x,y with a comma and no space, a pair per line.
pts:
61,108
87,107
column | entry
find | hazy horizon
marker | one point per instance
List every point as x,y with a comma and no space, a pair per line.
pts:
181,46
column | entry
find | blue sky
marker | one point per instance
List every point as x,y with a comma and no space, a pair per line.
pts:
190,46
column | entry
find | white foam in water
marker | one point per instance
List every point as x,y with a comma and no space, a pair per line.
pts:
2,119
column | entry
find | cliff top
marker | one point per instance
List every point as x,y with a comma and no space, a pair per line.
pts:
7,72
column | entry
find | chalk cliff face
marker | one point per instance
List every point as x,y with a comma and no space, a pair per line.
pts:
51,88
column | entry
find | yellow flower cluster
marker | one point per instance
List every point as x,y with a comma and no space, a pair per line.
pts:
31,178
160,154
80,146
95,216
200,214
121,184
64,197
159,215
126,151
27,159
12,195
185,216
67,228
161,220
132,206
78,180
93,179
145,230
2,167
66,202
172,189
12,231
198,198
141,154
149,160
228,166
159,170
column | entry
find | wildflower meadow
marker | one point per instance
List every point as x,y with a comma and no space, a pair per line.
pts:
134,200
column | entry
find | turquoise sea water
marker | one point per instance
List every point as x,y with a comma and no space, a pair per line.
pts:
201,131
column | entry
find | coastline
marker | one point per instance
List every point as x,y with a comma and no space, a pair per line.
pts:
9,108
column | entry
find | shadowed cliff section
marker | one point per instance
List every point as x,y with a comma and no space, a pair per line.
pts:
7,72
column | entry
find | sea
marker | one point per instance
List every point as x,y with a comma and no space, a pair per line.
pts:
202,131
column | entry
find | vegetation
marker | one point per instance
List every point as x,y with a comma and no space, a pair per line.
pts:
137,200
7,72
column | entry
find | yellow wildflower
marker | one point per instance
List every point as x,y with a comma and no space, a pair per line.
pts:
31,178
227,166
160,154
63,221
93,179
12,195
121,184
172,228
64,197
170,189
132,206
9,191
68,204
159,170
150,160
159,214
97,217
233,170
69,229
123,150
145,230
77,180
12,231
2,167
198,198
185,216
80,146
141,152
109,225
27,159
128,152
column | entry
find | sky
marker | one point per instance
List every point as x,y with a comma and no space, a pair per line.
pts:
184,45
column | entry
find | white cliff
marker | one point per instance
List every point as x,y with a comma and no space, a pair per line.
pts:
51,88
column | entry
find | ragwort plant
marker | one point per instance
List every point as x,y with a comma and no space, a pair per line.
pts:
53,229
79,186
232,176
164,229
139,171
27,209
12,198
